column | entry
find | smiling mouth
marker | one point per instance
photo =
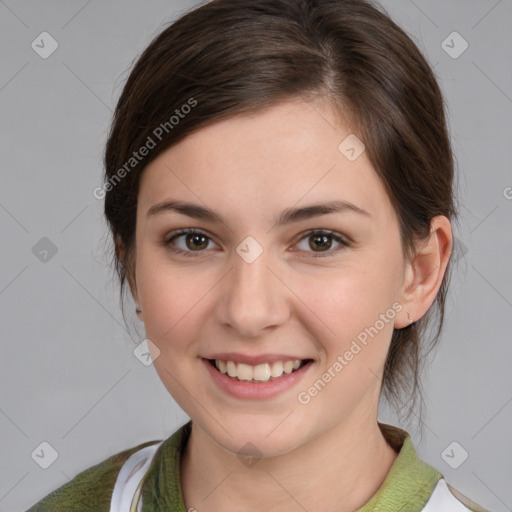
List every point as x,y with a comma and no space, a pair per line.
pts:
266,372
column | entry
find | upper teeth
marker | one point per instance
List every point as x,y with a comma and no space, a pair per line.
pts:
260,372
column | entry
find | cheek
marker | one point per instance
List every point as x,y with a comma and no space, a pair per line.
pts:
354,332
173,318
349,299
173,297
350,314
171,307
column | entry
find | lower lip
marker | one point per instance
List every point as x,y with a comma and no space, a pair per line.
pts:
256,390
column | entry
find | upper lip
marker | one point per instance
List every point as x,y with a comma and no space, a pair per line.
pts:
255,359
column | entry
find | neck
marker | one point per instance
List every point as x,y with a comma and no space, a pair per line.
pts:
345,467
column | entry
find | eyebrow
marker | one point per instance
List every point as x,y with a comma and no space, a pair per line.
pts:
287,216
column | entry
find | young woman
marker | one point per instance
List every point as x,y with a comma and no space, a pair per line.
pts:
279,190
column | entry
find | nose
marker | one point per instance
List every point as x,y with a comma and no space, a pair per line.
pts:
253,297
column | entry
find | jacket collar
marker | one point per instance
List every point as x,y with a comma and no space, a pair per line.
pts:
407,487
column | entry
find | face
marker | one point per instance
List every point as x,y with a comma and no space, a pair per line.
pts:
258,287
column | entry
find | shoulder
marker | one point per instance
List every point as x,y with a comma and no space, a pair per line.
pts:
91,490
446,498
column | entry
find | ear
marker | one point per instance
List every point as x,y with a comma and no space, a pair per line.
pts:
424,274
129,266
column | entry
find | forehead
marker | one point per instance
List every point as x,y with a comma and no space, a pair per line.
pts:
274,158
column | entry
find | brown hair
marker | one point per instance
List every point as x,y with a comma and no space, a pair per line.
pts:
229,57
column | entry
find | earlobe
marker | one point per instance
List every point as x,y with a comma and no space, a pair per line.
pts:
133,289
424,274
129,266
405,318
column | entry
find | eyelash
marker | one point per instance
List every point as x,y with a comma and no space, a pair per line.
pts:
192,231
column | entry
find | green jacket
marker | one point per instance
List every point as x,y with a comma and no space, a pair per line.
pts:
410,486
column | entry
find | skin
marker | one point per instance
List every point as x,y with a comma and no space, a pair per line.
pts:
248,169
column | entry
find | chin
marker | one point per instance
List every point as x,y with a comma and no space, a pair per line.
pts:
257,436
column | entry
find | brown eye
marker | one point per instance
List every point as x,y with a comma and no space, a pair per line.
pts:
194,241
320,242
191,241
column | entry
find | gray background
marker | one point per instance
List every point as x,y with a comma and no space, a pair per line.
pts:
68,373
